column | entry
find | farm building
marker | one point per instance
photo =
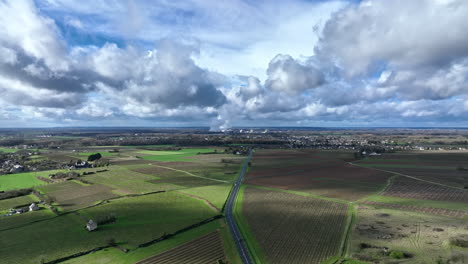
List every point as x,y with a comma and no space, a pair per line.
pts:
91,225
33,207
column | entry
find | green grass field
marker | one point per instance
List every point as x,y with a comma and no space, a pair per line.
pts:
180,155
139,219
8,150
22,180
18,220
126,181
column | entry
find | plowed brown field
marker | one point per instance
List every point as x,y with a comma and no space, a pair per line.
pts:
311,171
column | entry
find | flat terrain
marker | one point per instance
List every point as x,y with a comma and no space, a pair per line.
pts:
71,195
425,238
292,228
180,155
21,180
437,167
189,188
323,173
203,250
409,188
138,220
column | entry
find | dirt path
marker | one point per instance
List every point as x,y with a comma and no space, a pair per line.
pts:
408,176
189,173
201,199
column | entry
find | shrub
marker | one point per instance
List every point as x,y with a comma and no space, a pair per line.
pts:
94,157
397,254
107,219
460,241
14,193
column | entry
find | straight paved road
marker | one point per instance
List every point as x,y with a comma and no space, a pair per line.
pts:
240,243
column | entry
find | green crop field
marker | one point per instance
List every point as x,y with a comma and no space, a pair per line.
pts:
180,155
8,150
139,219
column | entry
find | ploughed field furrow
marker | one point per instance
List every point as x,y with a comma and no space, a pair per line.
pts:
427,210
292,228
206,249
409,188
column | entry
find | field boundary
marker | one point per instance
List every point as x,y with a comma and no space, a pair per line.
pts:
254,248
349,230
205,201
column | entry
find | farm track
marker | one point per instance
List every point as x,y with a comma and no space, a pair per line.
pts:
206,249
188,173
208,203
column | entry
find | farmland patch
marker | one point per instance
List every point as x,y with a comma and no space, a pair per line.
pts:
424,238
206,249
293,228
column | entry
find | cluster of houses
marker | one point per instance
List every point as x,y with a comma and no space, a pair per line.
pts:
11,166
79,164
31,208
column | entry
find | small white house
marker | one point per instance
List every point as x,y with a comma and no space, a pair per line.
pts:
91,225
33,207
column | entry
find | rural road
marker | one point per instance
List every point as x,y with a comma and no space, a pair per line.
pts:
240,242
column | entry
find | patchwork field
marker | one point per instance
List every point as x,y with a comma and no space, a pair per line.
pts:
194,187
323,173
138,220
292,228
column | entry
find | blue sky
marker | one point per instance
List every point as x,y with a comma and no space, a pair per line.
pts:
233,63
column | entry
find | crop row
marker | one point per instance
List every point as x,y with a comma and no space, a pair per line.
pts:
292,228
409,188
427,210
206,249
